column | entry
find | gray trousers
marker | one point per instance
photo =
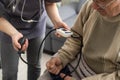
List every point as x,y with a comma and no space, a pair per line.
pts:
10,58
0,54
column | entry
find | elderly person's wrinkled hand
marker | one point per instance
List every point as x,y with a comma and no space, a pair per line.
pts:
66,77
54,65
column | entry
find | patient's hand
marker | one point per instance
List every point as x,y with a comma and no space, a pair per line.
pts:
66,77
54,65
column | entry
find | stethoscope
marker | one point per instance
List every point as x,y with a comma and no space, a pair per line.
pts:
15,4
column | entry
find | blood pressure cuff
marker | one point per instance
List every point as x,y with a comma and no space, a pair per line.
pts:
53,0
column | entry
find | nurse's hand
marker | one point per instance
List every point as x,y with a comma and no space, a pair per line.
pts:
61,24
16,44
